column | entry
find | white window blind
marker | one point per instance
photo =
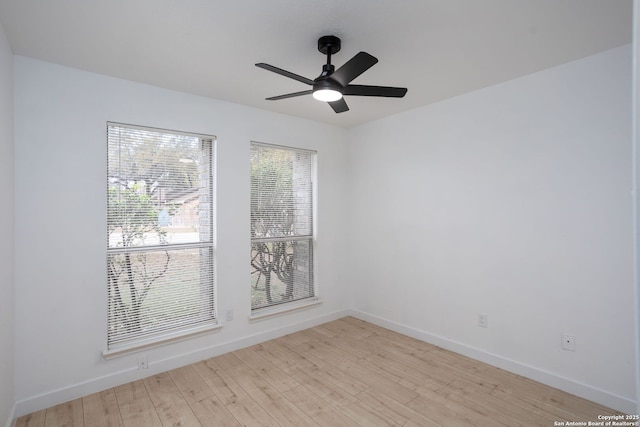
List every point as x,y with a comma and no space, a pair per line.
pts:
282,233
160,233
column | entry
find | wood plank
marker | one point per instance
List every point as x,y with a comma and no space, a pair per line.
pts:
325,348
172,408
281,356
324,331
479,372
201,398
136,408
68,414
351,348
403,374
35,419
445,415
471,410
212,413
296,337
341,327
139,412
233,397
379,382
554,401
337,376
493,409
434,370
458,406
190,384
270,372
320,410
532,406
101,410
226,361
393,409
131,391
320,382
365,415
280,409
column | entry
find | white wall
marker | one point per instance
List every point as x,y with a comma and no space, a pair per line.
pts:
6,231
513,201
60,165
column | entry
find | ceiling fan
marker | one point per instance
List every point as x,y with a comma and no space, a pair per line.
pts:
331,85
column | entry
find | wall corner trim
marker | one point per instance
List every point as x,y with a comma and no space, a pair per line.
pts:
11,421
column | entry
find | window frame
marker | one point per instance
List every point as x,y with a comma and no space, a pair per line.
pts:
188,329
279,308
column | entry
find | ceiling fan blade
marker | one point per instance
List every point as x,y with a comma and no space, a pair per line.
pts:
339,106
290,95
353,68
364,90
285,73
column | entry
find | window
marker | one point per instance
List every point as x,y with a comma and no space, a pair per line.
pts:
160,228
282,237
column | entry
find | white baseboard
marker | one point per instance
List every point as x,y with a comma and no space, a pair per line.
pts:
620,403
75,391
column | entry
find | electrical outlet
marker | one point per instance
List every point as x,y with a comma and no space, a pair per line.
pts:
143,363
229,315
568,342
483,320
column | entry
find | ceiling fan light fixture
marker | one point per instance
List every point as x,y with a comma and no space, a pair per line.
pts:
327,95
331,85
327,90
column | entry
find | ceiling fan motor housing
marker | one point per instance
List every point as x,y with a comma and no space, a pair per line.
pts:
329,45
326,84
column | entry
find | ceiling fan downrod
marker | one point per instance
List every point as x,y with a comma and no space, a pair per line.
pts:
328,45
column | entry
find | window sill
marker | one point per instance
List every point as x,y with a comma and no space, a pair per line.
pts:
125,349
266,313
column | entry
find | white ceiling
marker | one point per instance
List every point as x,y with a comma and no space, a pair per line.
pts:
436,48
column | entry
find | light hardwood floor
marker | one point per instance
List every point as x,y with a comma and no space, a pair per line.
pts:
343,373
